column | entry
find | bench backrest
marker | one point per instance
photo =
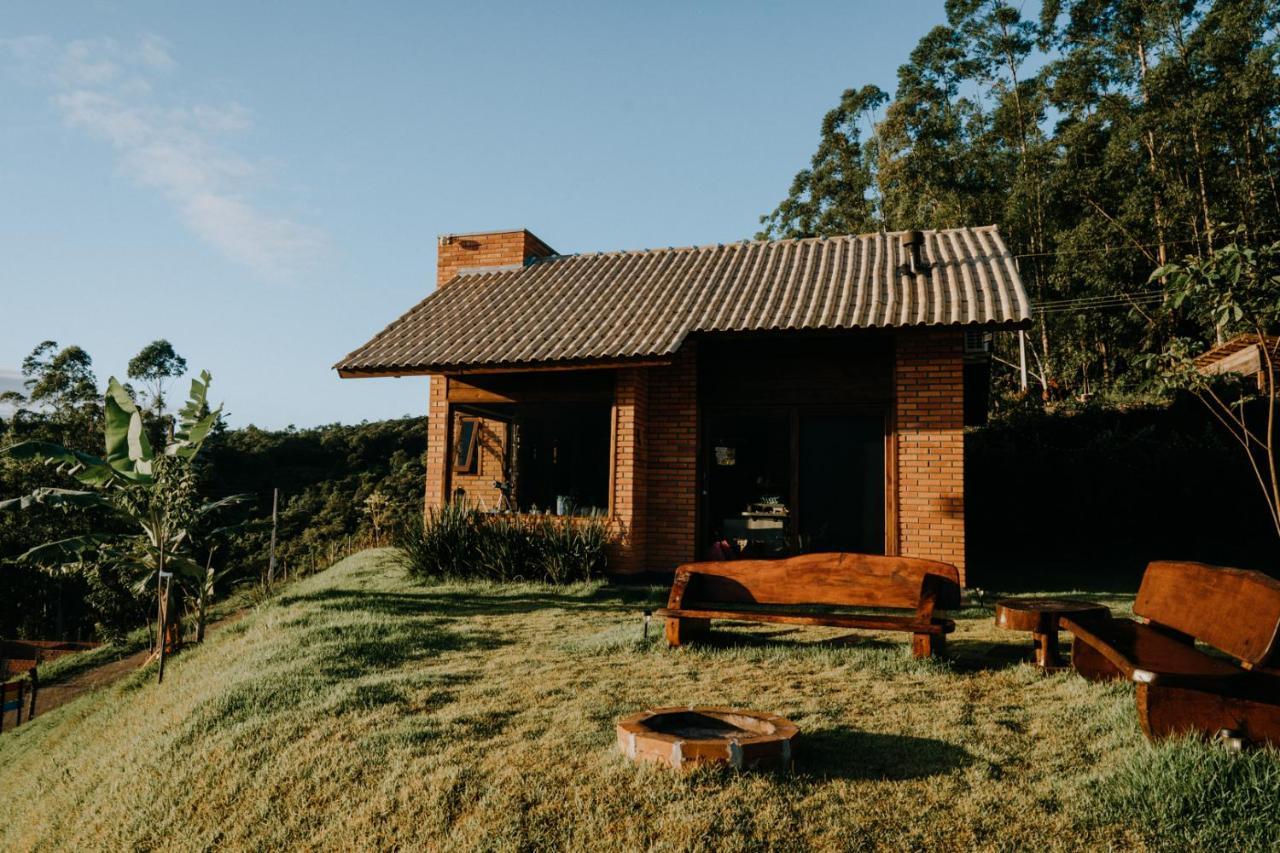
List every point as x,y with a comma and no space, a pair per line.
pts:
12,694
1234,610
16,666
853,580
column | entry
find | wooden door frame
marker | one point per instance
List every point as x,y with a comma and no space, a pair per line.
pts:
886,410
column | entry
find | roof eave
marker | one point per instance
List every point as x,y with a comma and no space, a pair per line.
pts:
473,369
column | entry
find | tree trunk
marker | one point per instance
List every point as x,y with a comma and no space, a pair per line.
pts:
1149,140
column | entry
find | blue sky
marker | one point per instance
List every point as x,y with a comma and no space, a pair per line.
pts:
262,183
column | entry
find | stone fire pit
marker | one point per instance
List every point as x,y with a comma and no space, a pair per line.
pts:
688,736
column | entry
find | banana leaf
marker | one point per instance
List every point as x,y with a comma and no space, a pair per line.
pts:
55,497
186,571
128,450
195,420
86,468
70,550
220,503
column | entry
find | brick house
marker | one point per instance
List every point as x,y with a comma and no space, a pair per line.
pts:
781,396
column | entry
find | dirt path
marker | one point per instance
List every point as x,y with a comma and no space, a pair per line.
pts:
91,679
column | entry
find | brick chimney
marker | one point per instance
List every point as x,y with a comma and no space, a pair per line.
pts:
486,251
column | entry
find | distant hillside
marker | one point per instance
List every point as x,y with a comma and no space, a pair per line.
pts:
324,475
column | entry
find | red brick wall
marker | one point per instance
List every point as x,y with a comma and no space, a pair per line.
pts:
630,450
929,386
655,478
672,481
491,449
437,441
492,445
495,249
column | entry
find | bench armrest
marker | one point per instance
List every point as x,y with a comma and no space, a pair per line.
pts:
678,587
931,591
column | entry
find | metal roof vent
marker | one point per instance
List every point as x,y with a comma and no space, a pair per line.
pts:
912,244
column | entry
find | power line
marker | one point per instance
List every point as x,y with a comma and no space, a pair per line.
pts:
1085,303
1109,297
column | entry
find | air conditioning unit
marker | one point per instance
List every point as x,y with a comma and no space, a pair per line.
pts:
977,342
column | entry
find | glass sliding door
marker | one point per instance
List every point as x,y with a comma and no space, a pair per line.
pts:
782,480
841,478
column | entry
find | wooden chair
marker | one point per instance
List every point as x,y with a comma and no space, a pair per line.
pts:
1181,688
715,590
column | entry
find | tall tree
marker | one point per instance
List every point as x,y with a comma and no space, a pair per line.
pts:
156,364
1104,139
931,170
834,195
61,379
61,390
999,44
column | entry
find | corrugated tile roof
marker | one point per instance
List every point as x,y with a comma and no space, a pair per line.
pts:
642,304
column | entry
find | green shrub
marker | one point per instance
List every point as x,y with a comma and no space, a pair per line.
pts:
568,550
1185,794
458,541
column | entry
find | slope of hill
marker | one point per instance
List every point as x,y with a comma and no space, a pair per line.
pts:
362,710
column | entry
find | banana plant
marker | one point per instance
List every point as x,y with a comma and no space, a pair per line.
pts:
152,493
206,539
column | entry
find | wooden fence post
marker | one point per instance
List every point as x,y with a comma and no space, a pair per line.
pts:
271,564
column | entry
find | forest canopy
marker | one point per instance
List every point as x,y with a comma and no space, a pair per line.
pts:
1106,138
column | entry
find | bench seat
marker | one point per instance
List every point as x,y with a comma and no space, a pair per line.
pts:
1149,655
832,620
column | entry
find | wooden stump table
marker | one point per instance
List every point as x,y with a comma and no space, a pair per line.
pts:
1040,617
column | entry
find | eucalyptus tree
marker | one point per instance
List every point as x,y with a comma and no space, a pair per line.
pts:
156,365
1104,139
835,194
60,390
931,170
1000,46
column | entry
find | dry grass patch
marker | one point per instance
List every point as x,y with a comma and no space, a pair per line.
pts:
364,710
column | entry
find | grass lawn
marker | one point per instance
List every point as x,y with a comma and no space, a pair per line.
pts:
361,709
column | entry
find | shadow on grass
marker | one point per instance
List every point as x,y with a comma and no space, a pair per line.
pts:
483,726
733,635
474,602
969,656
852,754
351,651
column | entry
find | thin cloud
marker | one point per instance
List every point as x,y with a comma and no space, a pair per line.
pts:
108,90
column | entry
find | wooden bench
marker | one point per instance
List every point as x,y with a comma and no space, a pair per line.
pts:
1181,688
715,590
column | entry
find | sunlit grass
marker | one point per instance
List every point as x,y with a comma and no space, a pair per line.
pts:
69,667
361,709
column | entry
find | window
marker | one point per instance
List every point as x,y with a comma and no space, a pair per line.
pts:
562,458
555,457
466,455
